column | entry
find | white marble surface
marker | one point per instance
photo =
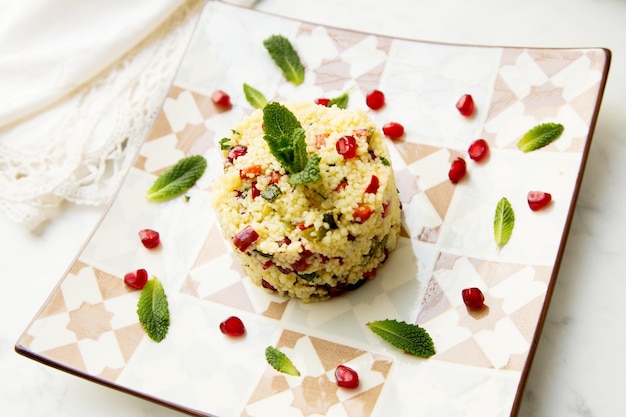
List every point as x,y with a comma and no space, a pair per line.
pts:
577,370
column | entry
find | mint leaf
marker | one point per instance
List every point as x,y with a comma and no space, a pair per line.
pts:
308,277
411,338
224,145
282,132
503,222
178,179
540,136
286,57
153,311
339,101
285,138
300,157
310,173
254,97
271,193
279,361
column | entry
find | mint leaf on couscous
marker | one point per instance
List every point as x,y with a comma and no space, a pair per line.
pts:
285,138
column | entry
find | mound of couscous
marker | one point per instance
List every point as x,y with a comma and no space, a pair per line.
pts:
314,240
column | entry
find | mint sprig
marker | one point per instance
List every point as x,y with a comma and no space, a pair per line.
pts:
279,361
177,179
153,310
540,136
285,138
503,222
410,338
285,57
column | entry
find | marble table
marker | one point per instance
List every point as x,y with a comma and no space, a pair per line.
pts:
577,369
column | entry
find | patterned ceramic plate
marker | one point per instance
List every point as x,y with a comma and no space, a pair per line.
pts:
89,326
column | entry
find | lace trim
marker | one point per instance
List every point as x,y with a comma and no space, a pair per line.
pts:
102,128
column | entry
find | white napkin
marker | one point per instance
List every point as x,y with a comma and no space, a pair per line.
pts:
81,84
50,47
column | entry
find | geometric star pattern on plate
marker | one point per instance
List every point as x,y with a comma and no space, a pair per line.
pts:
194,139
541,94
327,74
434,302
315,395
98,320
429,234
544,99
315,392
484,319
499,326
90,321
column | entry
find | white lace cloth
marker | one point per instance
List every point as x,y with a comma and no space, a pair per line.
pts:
73,115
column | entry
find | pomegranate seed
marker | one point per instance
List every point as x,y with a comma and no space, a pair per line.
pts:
346,377
300,265
478,150
465,105
335,291
346,147
393,130
385,209
362,213
136,279
232,326
473,298
254,192
274,177
236,151
244,238
322,101
222,99
372,188
458,169
149,238
267,285
370,274
538,199
375,100
283,270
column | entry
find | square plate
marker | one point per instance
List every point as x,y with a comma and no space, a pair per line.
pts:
89,326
